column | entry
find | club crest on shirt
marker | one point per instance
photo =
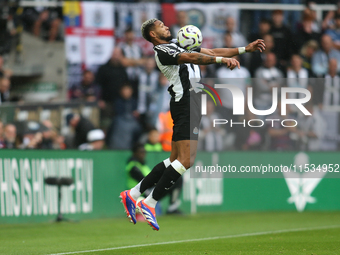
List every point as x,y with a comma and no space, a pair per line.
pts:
172,52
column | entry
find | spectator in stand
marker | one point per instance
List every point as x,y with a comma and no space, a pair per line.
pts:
9,137
2,144
335,32
7,73
307,52
86,87
5,85
132,59
40,19
282,38
47,141
153,143
264,29
297,78
238,77
258,58
305,33
164,126
58,142
81,127
125,128
7,27
267,77
110,77
321,57
328,91
34,141
95,141
31,136
296,74
182,20
309,11
231,27
311,129
148,85
329,22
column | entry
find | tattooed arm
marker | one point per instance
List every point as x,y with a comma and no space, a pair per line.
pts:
195,58
223,52
203,59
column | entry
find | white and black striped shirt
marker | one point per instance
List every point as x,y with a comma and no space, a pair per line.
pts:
133,51
178,75
331,95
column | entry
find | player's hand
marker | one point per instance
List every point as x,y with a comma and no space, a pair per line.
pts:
231,63
256,45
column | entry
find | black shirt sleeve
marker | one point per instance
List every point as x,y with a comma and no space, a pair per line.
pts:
198,49
167,55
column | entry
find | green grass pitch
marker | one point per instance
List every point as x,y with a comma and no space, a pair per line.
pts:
244,233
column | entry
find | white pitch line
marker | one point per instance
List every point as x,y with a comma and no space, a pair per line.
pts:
203,239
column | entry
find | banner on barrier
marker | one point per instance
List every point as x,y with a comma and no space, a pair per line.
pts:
100,176
23,191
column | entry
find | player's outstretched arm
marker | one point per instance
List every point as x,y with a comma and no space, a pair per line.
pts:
203,59
230,52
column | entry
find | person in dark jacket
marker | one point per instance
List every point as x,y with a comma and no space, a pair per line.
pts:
10,135
47,141
85,88
282,38
81,127
111,76
125,127
5,85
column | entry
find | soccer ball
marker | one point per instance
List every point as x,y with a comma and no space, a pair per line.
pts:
189,37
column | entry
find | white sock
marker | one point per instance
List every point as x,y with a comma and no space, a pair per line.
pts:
134,192
150,201
167,162
178,167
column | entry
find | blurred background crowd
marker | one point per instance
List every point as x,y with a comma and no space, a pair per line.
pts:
132,98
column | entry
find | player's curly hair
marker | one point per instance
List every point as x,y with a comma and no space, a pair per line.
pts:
146,28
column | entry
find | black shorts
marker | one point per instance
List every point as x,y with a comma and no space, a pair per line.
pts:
186,115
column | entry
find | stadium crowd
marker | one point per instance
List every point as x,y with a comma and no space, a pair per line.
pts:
132,94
